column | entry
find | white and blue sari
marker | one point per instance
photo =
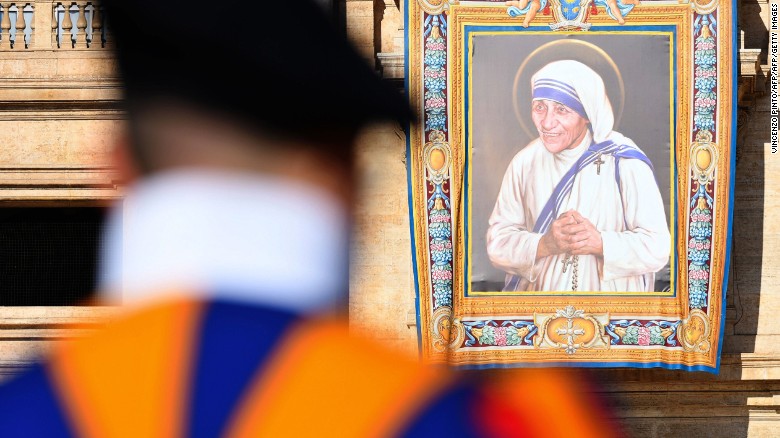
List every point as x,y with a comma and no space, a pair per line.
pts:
606,178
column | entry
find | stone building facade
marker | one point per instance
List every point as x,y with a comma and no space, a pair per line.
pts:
60,116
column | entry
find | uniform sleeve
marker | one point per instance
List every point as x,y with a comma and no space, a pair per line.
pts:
30,407
644,246
525,403
511,245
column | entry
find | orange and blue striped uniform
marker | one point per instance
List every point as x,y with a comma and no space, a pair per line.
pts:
208,369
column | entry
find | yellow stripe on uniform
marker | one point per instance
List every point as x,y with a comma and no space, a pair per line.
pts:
322,383
130,380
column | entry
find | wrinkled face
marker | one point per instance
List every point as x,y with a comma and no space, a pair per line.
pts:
559,126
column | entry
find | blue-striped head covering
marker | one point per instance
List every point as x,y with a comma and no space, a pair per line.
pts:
577,86
559,91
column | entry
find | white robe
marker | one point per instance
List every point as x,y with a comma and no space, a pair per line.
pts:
633,229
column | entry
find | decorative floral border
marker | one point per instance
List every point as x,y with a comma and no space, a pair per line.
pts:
508,333
435,121
692,333
500,333
700,211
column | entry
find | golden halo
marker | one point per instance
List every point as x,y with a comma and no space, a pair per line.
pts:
577,50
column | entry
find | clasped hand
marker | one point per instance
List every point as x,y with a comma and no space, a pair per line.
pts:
573,234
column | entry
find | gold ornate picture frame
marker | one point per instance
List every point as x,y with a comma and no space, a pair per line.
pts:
681,102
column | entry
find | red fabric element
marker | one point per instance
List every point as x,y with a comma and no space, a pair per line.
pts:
593,9
546,10
540,404
497,418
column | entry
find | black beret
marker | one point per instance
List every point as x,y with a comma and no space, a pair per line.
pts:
281,65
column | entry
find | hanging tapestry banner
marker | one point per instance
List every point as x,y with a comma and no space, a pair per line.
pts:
571,180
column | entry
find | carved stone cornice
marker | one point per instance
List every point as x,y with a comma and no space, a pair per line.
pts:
26,333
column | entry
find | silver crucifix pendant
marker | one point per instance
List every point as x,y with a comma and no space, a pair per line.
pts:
598,164
566,262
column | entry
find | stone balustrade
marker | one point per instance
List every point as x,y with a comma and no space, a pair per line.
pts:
16,24
52,25
78,24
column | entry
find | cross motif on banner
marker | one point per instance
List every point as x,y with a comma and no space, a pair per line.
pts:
570,332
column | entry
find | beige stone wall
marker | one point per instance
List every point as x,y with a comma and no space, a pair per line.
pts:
59,111
381,280
381,300
361,26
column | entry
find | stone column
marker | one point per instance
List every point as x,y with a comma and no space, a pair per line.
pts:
753,18
391,57
360,27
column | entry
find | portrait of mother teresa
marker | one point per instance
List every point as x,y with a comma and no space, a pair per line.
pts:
579,208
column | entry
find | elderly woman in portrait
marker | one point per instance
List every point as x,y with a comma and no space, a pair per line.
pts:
579,207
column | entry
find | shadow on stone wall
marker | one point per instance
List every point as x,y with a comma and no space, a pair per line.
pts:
748,240
747,261
754,24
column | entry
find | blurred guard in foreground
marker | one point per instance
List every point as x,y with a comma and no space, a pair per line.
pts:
242,148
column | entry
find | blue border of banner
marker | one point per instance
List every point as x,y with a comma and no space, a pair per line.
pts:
408,128
733,157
